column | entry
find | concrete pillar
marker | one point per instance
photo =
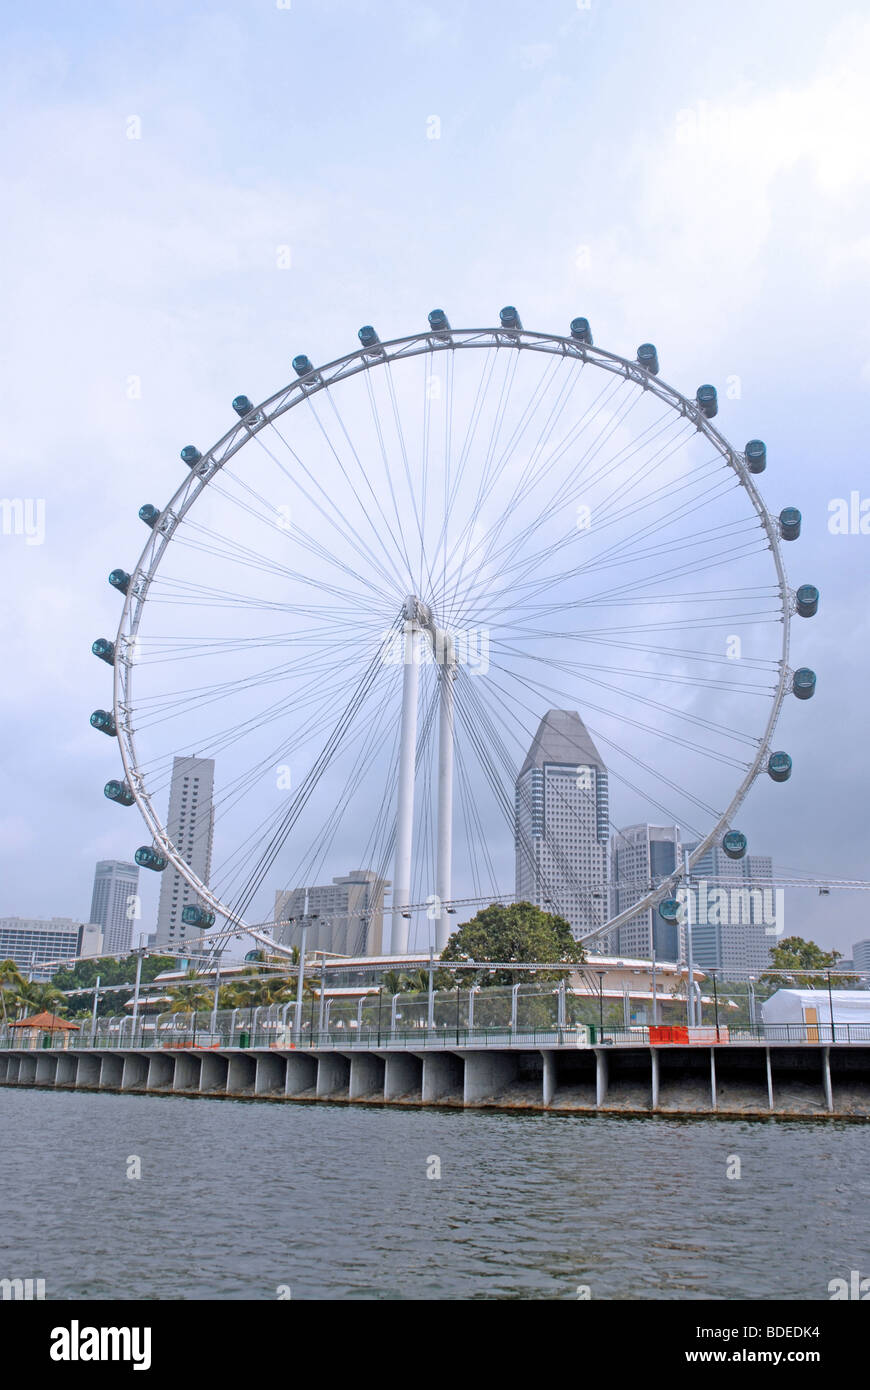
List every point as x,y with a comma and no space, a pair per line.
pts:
403,1076
270,1075
46,1069
486,1075
301,1074
826,1075
161,1071
366,1075
549,1077
213,1074
769,1079
600,1076
27,1069
333,1074
187,1069
67,1069
654,1061
111,1071
442,1076
241,1074
88,1073
135,1073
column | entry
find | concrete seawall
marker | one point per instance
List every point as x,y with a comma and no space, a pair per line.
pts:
805,1080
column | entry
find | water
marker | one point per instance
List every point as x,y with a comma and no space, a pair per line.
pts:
239,1198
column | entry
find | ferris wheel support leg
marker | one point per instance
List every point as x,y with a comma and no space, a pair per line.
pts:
405,808
444,886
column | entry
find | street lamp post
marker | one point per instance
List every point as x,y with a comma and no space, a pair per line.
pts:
601,974
715,1002
831,1007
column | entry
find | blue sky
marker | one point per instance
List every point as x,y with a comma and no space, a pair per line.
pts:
687,173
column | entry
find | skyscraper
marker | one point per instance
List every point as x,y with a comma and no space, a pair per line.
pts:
738,936
114,903
345,916
561,823
190,825
642,856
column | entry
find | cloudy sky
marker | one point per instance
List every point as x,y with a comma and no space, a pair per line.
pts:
195,193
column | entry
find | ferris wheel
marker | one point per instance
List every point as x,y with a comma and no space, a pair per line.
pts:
363,598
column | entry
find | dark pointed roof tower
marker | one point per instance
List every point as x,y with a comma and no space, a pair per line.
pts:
562,738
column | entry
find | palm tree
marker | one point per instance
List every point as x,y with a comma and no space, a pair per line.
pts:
11,981
393,982
191,996
40,996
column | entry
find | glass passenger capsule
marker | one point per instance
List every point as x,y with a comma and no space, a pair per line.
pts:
648,357
147,857
104,649
581,331
194,916
367,336
670,910
789,523
101,719
779,766
302,365
438,321
803,683
708,400
149,514
242,406
120,580
119,792
509,317
807,601
756,455
734,844
190,455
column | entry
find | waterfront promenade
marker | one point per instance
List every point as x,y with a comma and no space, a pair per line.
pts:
549,1069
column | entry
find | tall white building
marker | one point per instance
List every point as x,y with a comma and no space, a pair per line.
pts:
37,944
114,903
190,825
562,823
641,857
345,916
742,939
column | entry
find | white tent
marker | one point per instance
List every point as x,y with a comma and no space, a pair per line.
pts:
797,1005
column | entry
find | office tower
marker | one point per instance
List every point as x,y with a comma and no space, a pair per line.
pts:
190,825
641,857
860,956
37,945
345,917
115,904
741,939
562,826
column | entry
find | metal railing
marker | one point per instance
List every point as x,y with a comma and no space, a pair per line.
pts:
277,1033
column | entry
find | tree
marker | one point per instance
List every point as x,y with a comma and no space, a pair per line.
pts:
11,981
40,996
794,954
190,996
521,933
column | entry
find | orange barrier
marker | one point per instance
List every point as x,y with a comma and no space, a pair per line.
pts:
668,1033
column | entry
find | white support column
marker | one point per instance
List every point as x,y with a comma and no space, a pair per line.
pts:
444,861
405,807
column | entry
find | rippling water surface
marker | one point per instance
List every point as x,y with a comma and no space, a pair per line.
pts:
238,1198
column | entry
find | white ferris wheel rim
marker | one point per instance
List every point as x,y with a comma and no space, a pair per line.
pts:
279,403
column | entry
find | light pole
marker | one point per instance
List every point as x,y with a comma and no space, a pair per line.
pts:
831,1007
217,985
715,1001
601,974
690,989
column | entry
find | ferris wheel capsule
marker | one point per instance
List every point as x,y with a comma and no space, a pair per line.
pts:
779,767
302,365
242,406
670,910
149,514
509,317
439,324
807,601
581,331
708,400
101,719
149,858
734,843
756,455
118,792
104,649
120,580
648,358
190,455
194,916
803,683
367,336
789,523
